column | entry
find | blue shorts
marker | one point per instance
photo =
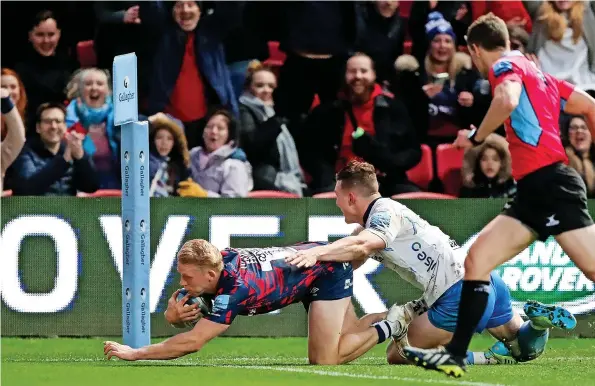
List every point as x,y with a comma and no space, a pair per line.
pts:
336,283
444,312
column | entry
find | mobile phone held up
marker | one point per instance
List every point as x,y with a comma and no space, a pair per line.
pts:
440,78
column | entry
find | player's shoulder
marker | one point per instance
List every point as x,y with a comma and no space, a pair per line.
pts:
229,254
513,62
382,211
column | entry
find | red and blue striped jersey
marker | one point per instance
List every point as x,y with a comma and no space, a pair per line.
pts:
258,280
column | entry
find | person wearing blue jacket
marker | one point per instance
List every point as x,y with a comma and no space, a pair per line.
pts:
55,164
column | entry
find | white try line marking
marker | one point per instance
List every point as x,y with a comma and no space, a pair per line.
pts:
215,361
364,376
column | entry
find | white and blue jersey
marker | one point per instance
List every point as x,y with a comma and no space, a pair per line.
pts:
433,262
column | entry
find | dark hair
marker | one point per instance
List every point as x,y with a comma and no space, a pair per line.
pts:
488,32
42,16
232,123
46,106
361,174
499,146
518,33
170,5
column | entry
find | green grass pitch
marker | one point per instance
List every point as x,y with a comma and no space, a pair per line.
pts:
272,362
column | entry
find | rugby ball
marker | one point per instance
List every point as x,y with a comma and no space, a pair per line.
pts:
205,305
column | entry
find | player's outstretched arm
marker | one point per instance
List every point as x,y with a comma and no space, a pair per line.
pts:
581,103
174,347
351,248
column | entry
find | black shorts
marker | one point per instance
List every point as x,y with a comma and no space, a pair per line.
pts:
550,201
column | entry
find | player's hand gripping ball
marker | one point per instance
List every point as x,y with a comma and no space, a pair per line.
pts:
204,304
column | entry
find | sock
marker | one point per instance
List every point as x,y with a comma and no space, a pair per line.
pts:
474,299
530,342
383,329
479,358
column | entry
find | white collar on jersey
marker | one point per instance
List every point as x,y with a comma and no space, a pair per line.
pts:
512,53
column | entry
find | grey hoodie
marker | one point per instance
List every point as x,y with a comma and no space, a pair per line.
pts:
227,173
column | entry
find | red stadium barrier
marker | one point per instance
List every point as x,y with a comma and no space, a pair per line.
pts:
271,194
422,173
325,195
7,193
423,195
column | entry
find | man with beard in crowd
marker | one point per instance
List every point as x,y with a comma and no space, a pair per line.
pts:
364,123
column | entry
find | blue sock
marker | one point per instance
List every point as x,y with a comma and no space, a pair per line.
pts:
383,329
531,341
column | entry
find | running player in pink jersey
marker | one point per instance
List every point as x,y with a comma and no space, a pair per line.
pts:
551,198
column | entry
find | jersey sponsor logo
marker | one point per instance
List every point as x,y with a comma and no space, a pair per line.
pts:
544,272
430,262
261,256
220,304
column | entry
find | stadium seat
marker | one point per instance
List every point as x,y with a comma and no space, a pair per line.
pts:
7,193
422,173
449,161
102,193
271,194
85,52
325,195
423,195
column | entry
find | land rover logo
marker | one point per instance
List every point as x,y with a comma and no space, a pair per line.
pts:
543,272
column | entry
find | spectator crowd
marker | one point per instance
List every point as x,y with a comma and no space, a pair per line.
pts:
255,96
